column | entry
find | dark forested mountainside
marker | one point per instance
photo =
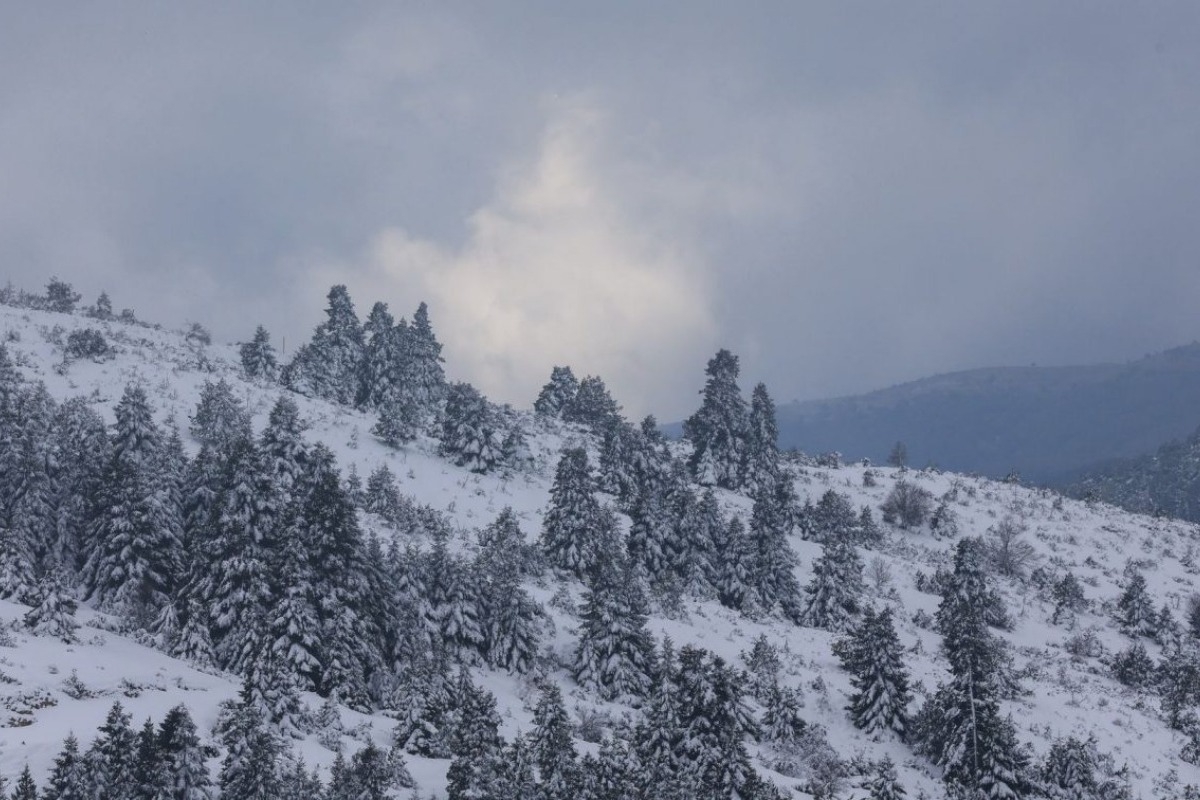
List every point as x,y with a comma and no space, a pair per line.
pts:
1164,483
1047,423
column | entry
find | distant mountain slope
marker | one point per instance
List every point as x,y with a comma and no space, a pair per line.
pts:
1166,482
1048,423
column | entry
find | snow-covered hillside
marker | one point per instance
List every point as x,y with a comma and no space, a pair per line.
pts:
1064,670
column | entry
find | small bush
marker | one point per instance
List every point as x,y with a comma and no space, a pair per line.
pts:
87,343
907,505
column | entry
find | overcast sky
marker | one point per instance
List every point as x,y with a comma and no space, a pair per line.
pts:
847,195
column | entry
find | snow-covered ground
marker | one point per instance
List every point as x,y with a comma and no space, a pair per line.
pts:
1066,695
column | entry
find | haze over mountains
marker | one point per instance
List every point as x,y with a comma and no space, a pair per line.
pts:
1050,424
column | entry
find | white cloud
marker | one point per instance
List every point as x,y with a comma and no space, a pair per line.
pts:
554,270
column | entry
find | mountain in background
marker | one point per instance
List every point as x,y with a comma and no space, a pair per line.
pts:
1050,424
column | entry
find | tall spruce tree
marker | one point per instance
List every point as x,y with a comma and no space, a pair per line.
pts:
69,777
837,585
185,775
569,527
258,356
552,747
329,366
772,572
615,652
508,615
760,465
873,656
558,393
471,434
592,406
718,430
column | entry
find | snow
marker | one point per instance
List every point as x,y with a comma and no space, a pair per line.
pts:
1065,696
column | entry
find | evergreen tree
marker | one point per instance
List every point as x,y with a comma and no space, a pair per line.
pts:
837,584
781,720
552,747
615,653
833,519
558,394
772,572
1069,771
884,785
185,775
380,365
961,727
284,452
735,557
194,643
718,430
69,778
470,430
382,495
258,356
422,377
221,419
294,623
509,617
53,612
112,758
873,656
570,523
26,789
592,406
81,445
1135,611
760,466
250,770
148,774
329,366
134,564
476,744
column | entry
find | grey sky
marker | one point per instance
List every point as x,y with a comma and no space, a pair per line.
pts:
846,194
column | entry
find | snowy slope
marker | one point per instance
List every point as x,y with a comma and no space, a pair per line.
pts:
1066,695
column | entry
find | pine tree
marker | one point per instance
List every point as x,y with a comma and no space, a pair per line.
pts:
26,789
194,644
569,527
772,572
509,617
184,771
552,747
760,466
284,452
592,406
294,626
475,745
329,366
134,564
1135,611
884,785
81,444
960,726
1069,771
781,720
422,377
112,758
148,774
615,653
837,584
558,394
53,612
470,430
718,430
250,770
258,356
221,419
734,555
69,779
875,659
380,359
833,519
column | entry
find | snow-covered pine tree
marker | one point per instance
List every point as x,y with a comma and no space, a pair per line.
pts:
558,393
569,526
782,723
258,356
735,556
717,430
476,745
615,652
184,772
250,770
592,406
148,775
294,625
382,494
884,785
81,445
284,451
380,364
68,779
53,612
1069,770
26,788
875,659
652,535
1135,611
330,364
220,419
470,430
136,557
833,518
960,727
760,465
422,377
112,757
509,616
552,747
772,572
836,587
